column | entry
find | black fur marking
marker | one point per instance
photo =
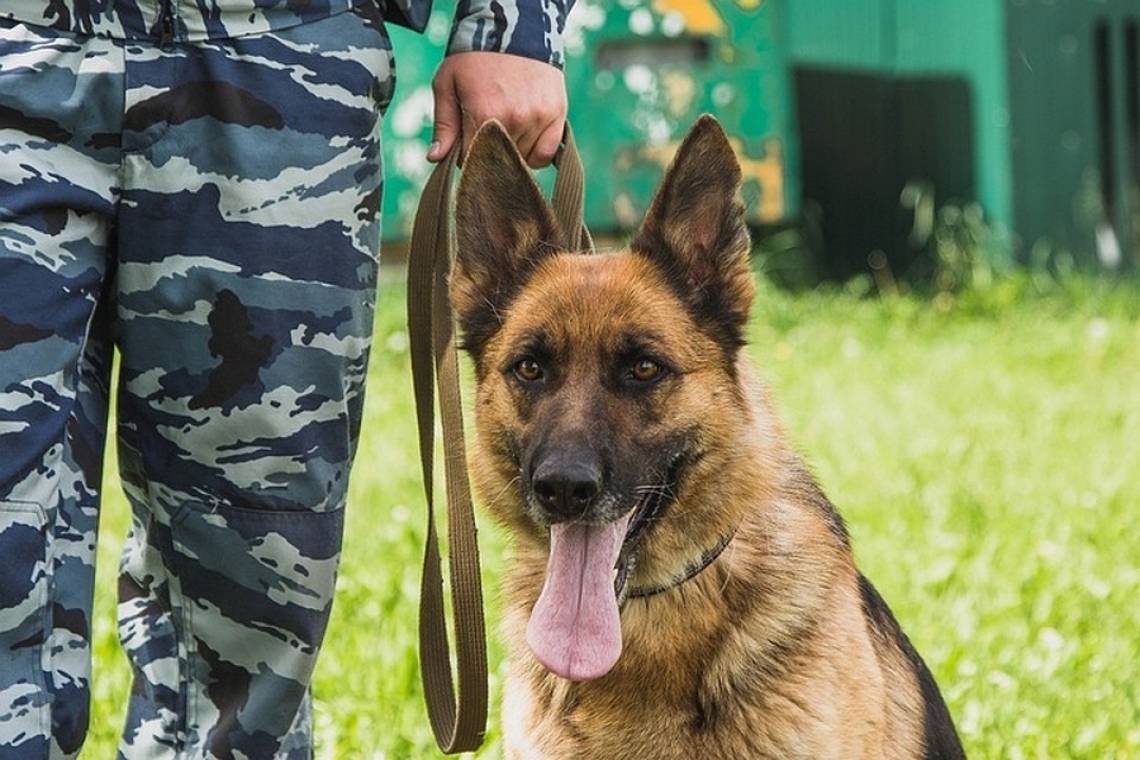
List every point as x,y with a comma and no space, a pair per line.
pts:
810,492
706,715
694,232
721,320
481,321
940,739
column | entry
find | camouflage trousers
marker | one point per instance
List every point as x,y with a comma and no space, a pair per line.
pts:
211,211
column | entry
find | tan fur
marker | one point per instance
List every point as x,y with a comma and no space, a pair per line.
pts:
769,651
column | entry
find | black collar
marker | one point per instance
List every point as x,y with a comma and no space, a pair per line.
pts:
692,571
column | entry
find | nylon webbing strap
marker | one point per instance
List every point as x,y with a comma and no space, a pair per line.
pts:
568,195
458,716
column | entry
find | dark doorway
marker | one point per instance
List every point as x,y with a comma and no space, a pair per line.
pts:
864,137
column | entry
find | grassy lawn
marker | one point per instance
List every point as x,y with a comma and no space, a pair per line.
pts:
984,450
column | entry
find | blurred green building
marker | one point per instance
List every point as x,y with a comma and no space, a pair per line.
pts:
852,118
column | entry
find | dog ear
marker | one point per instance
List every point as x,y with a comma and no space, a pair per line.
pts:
695,232
503,227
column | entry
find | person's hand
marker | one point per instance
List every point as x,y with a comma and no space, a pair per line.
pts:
527,96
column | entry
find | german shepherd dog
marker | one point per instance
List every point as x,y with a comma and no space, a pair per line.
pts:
679,585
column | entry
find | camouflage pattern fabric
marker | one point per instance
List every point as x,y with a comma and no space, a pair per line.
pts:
211,209
196,182
530,28
533,30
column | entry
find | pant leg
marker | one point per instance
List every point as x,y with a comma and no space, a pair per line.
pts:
60,98
248,242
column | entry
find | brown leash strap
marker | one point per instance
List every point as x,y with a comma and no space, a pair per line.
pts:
568,195
458,718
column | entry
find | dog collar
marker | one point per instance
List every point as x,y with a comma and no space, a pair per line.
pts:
692,571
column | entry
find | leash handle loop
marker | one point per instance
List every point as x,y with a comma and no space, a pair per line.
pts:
568,195
458,716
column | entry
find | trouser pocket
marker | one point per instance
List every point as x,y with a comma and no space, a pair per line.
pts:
24,584
256,592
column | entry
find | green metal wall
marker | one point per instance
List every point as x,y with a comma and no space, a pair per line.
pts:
1054,98
1074,69
921,38
638,75
1032,106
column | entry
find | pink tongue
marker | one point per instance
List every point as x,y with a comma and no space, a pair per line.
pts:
574,629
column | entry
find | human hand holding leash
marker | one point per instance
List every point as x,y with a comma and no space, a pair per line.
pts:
527,96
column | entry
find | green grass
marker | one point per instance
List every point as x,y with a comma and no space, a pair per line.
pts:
984,449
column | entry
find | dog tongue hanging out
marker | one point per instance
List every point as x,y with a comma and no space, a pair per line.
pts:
679,586
575,628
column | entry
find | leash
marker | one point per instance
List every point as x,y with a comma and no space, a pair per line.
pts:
458,717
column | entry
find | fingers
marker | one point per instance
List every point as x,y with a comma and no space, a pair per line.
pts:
539,144
527,97
447,124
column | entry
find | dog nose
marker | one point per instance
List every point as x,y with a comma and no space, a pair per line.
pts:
566,486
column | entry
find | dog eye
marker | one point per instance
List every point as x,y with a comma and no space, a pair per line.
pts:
528,371
646,370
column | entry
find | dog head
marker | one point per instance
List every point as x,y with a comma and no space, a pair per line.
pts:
602,381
